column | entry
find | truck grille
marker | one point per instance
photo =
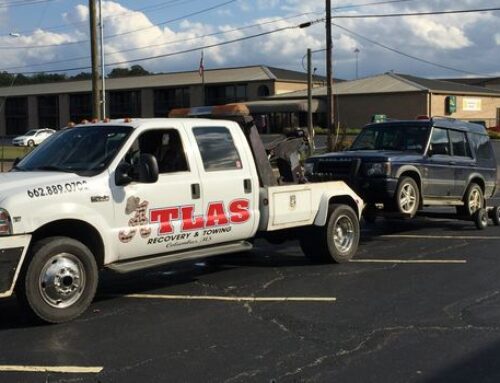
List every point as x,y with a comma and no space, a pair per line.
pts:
336,169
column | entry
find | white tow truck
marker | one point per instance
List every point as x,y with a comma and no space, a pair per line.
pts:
128,194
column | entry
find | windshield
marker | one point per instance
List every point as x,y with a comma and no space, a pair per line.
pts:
30,133
400,138
82,150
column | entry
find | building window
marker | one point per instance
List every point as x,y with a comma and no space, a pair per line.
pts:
263,91
48,112
225,94
125,104
80,107
16,115
168,99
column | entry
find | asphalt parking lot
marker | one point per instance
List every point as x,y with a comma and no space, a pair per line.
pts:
420,303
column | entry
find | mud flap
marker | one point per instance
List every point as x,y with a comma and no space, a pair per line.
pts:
12,253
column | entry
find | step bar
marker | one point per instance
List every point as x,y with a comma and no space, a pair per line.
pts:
163,259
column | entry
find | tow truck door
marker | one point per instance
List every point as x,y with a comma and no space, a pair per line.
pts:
229,184
149,217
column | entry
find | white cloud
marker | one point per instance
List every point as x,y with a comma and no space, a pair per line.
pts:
467,41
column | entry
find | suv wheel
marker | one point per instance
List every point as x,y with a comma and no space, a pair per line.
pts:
473,201
407,197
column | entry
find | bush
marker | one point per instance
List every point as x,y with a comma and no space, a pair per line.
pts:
494,135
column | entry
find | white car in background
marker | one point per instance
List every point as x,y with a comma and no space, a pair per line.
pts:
33,137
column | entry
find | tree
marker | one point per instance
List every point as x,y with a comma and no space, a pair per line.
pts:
135,70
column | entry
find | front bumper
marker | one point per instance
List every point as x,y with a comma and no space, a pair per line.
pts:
377,190
12,253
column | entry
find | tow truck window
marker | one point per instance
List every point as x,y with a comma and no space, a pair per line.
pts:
165,145
84,150
217,149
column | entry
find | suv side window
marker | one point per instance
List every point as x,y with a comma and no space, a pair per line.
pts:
440,143
165,145
459,144
217,149
482,147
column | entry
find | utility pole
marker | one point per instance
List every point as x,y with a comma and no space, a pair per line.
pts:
310,126
96,110
329,77
103,71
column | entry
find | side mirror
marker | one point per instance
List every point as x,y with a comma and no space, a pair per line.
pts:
148,169
123,174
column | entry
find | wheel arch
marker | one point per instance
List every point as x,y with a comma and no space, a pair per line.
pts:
348,200
414,173
78,230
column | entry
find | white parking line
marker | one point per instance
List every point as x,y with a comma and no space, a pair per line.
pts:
419,236
59,369
416,261
228,298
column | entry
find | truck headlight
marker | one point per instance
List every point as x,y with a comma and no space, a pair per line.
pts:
377,169
5,223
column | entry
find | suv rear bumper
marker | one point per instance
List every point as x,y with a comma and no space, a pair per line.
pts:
12,252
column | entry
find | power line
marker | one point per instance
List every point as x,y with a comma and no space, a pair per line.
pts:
205,10
165,43
23,3
164,5
417,13
299,26
130,12
404,53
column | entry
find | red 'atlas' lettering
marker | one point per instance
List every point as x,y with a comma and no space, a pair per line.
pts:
216,215
239,210
164,216
188,223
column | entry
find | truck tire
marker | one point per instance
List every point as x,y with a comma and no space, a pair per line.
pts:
337,241
495,215
481,219
407,197
58,281
473,201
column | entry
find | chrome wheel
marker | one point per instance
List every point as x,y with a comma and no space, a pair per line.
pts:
343,234
408,198
62,280
475,201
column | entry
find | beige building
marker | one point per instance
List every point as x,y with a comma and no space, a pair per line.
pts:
53,105
401,96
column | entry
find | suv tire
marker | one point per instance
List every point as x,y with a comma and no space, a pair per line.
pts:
473,201
337,241
59,280
407,197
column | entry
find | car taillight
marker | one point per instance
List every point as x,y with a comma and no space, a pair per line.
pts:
5,223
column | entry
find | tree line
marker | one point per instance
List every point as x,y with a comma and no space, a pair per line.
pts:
11,79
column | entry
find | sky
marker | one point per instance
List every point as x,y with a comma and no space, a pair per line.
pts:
469,43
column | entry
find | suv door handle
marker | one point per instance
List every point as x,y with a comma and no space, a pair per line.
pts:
195,191
247,185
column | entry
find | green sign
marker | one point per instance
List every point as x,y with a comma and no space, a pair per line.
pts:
451,104
376,118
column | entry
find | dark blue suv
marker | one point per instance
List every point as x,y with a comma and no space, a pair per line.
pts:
406,165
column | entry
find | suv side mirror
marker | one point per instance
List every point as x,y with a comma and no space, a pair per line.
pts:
148,169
